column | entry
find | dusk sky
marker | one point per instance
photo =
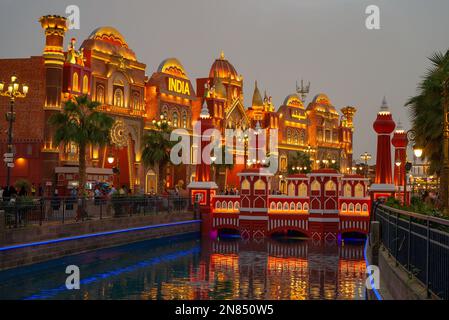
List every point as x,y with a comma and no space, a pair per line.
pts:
274,42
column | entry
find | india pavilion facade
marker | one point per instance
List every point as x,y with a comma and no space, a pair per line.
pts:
106,69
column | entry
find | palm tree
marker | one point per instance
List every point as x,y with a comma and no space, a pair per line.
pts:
80,123
427,110
156,149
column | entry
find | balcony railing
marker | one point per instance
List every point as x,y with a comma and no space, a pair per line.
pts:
420,243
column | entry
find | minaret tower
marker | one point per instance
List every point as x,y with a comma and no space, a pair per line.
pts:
384,126
55,28
399,142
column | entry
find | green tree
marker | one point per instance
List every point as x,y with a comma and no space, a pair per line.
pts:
156,146
299,159
427,111
81,123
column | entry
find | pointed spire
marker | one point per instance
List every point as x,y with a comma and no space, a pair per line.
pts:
204,111
384,106
257,98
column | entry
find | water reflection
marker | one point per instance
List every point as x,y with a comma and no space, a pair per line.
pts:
188,268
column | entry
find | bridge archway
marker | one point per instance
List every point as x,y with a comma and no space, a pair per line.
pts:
228,231
293,232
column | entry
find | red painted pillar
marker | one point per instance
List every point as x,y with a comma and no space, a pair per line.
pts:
399,142
384,126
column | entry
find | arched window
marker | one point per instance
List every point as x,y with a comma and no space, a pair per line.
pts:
306,207
136,100
289,137
291,189
273,206
295,137
359,191
85,84
302,190
365,207
100,94
75,82
330,186
344,207
230,205
347,190
184,120
358,207
236,205
118,97
299,206
224,205
316,186
245,185
351,207
175,119
218,205
260,185
286,206
279,206
292,206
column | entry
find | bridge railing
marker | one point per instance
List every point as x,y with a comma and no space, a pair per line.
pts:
420,243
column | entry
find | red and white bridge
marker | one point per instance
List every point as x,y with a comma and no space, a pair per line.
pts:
320,205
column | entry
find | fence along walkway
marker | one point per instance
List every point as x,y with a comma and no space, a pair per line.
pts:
420,243
40,211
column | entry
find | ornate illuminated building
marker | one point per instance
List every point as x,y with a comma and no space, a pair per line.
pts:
106,69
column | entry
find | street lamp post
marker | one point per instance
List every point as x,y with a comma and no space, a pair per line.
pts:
12,92
366,157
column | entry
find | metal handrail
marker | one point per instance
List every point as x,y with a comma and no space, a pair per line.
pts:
417,215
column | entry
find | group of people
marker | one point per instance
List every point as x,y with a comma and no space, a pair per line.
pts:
230,191
8,193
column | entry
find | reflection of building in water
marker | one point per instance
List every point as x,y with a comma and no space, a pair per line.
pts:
278,270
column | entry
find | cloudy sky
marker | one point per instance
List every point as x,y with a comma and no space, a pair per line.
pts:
273,41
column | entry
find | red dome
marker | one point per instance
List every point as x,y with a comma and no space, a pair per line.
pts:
399,139
384,123
223,69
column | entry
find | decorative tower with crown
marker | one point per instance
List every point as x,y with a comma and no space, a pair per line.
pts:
384,125
399,142
203,190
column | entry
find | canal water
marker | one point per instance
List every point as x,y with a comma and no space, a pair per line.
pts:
186,267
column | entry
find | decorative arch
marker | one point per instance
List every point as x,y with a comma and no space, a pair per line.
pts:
347,190
285,208
218,205
245,184
230,205
315,186
302,190
299,206
365,207
358,207
85,84
291,189
330,186
273,206
224,205
359,190
305,206
292,206
344,207
279,206
260,185
351,207
75,82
